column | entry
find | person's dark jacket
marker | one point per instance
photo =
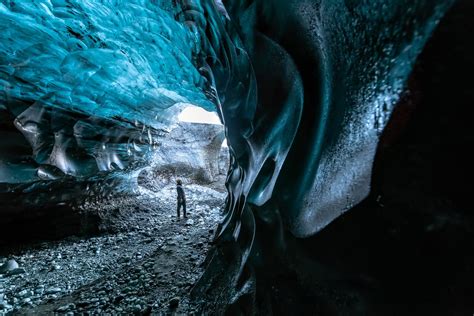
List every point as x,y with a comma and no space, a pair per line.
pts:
181,196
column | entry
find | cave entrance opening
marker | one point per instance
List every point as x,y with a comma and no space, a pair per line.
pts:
192,149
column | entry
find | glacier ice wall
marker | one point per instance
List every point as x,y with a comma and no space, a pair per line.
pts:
304,89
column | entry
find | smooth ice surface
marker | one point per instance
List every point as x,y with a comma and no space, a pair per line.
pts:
306,90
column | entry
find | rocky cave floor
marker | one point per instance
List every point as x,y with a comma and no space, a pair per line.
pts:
146,262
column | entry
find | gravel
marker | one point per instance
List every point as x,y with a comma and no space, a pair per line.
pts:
146,261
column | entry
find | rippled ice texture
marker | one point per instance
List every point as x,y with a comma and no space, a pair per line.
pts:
107,58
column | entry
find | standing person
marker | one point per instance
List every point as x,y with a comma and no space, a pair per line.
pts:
181,197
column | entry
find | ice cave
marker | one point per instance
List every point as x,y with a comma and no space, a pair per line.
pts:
236,157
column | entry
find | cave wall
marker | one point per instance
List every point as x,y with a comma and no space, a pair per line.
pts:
408,248
347,79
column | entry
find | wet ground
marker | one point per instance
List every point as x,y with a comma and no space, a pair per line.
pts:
147,264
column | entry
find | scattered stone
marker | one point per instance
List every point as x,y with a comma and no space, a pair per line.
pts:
16,271
62,309
53,290
66,308
137,308
146,234
9,266
53,297
25,293
5,306
39,289
174,302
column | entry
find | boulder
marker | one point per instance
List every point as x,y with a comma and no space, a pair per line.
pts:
9,266
174,302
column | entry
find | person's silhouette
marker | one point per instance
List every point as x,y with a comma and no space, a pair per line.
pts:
181,198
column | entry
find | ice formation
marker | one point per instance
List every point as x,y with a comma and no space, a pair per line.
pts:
304,89
87,82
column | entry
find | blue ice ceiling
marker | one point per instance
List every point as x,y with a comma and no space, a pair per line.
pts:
105,58
86,86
